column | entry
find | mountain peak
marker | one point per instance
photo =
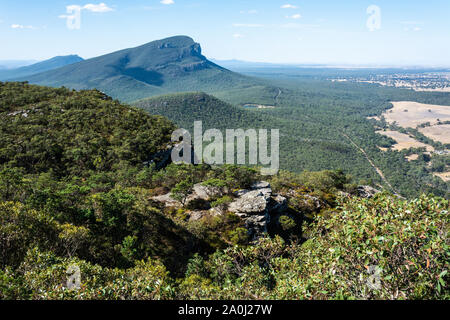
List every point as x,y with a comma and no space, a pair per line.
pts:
185,46
178,41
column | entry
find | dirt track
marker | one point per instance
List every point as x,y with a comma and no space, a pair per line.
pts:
378,170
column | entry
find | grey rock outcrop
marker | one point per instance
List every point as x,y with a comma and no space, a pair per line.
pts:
167,200
206,193
196,215
256,206
199,192
366,192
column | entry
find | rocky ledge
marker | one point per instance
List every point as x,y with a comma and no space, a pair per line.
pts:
255,206
258,206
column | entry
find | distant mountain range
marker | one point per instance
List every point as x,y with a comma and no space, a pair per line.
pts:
250,66
39,67
13,64
170,65
238,64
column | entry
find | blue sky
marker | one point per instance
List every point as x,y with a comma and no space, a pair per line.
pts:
411,32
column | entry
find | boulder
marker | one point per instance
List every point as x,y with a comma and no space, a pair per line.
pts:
217,211
278,204
167,200
314,202
251,202
200,196
366,192
196,215
206,193
256,206
260,185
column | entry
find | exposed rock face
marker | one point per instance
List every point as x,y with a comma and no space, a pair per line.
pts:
199,192
256,206
205,193
167,200
196,215
198,199
251,202
261,185
279,204
312,203
366,192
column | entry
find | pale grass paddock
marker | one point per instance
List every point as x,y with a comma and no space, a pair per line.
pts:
404,141
408,114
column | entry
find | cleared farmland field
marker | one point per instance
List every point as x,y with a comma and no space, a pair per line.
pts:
444,176
409,114
404,141
439,133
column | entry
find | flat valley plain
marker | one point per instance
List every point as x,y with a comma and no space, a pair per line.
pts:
439,133
404,141
409,114
429,119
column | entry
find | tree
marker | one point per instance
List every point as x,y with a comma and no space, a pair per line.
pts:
182,190
73,237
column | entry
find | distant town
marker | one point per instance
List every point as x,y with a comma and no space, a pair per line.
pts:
429,81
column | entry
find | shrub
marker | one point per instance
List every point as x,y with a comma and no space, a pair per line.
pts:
287,223
222,202
407,240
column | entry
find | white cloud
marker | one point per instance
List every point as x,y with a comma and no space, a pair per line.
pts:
415,29
300,26
167,1
19,26
249,12
99,8
288,6
295,16
411,22
238,35
247,25
412,25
